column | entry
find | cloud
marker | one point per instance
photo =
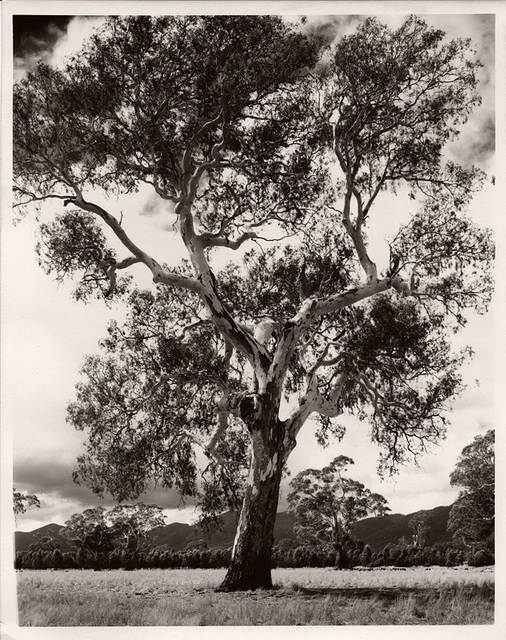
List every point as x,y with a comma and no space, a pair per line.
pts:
37,35
472,400
332,27
79,30
34,39
476,143
48,38
50,479
152,205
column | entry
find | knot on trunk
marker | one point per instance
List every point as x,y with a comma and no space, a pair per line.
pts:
249,407
401,286
244,405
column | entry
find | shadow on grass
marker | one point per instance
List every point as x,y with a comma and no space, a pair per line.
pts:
390,594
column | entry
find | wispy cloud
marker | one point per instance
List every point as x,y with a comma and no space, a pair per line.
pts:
49,39
37,35
331,27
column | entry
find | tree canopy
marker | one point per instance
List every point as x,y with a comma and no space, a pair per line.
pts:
271,149
327,503
472,516
125,528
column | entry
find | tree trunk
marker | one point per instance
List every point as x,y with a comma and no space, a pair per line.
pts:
250,566
341,561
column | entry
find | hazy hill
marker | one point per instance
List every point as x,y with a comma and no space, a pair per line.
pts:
377,532
23,539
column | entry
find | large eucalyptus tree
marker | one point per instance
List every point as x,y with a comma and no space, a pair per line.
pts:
268,147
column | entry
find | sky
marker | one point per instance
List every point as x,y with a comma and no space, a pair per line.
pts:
45,335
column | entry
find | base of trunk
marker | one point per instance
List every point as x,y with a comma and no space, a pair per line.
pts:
237,580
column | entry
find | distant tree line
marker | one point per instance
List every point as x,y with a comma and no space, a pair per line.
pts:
289,554
46,553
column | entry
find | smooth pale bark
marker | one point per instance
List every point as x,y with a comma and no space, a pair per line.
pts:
250,566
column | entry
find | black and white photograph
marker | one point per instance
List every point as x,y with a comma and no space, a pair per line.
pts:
252,316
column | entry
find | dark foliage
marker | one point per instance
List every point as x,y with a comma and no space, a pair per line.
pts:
294,555
472,518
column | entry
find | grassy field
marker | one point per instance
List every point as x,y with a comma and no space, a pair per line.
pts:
418,596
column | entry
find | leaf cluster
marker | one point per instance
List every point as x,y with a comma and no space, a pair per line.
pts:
449,255
399,97
74,245
129,105
24,501
145,399
401,374
274,281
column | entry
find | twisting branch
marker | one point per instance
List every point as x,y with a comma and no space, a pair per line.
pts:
207,236
206,127
221,241
314,401
33,198
192,181
205,447
321,362
142,401
159,273
222,413
112,268
306,342
222,410
355,230
376,397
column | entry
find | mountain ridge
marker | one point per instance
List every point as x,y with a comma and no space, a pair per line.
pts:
377,532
